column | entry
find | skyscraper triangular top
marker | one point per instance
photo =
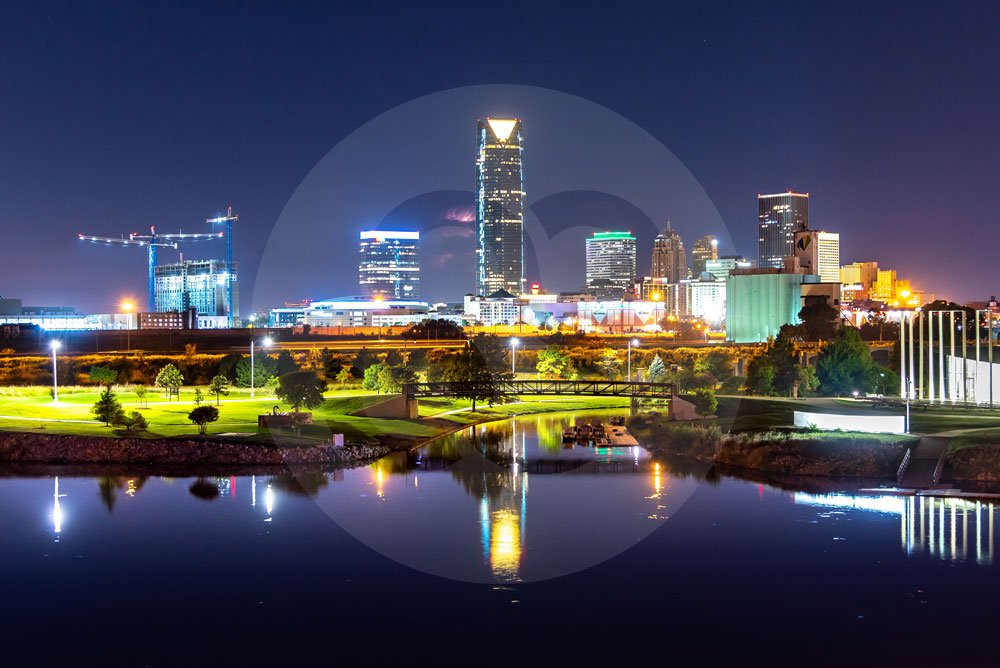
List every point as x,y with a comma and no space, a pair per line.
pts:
501,127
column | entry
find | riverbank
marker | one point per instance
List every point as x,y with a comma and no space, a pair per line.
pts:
783,452
58,442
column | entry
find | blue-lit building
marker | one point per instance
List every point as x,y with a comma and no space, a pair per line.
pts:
389,264
198,284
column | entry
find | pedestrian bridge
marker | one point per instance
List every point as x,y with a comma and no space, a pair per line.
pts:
404,405
593,388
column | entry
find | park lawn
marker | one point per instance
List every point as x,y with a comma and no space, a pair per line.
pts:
238,413
975,439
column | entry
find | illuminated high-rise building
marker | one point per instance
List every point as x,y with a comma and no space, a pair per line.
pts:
706,248
669,260
611,261
779,217
819,254
389,264
499,208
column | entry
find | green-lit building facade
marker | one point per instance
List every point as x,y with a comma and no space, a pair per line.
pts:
758,303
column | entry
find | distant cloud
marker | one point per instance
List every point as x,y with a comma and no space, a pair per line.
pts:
443,260
460,214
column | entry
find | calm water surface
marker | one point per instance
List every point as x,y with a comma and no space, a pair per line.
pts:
499,544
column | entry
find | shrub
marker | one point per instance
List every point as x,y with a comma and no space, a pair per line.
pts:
202,415
704,401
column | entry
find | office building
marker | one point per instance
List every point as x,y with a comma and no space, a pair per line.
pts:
499,208
352,312
611,262
779,217
389,265
669,260
704,249
721,267
819,253
885,285
198,284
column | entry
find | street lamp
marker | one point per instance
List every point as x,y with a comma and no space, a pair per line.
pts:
266,342
55,383
127,307
632,342
513,347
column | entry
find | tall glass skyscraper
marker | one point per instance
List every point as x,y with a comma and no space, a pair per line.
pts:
705,249
499,208
611,262
389,266
779,217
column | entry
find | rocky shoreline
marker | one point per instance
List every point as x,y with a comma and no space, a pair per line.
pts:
21,447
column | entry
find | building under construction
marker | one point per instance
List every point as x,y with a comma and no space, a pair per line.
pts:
200,284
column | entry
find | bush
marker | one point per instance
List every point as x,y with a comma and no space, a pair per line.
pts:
202,415
101,375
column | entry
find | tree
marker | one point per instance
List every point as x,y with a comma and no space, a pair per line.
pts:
394,358
760,376
392,378
370,381
845,364
704,401
782,353
806,382
608,363
140,394
344,376
434,329
264,368
552,361
102,375
106,408
199,396
202,415
285,363
472,366
301,388
657,370
169,378
190,352
227,365
363,359
820,320
219,387
717,362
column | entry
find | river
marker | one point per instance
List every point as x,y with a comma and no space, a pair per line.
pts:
499,537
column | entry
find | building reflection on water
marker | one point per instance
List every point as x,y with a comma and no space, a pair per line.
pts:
940,527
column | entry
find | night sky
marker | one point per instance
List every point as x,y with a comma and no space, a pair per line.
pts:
118,117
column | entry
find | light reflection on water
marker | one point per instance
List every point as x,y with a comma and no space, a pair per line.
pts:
939,527
509,502
536,507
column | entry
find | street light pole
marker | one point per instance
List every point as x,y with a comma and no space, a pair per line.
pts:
631,342
266,342
55,381
128,306
513,347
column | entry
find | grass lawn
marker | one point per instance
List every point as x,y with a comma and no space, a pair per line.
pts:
34,410
975,439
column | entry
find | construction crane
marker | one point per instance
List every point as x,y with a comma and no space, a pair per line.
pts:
152,241
228,219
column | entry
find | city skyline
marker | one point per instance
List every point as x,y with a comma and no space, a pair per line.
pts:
80,166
